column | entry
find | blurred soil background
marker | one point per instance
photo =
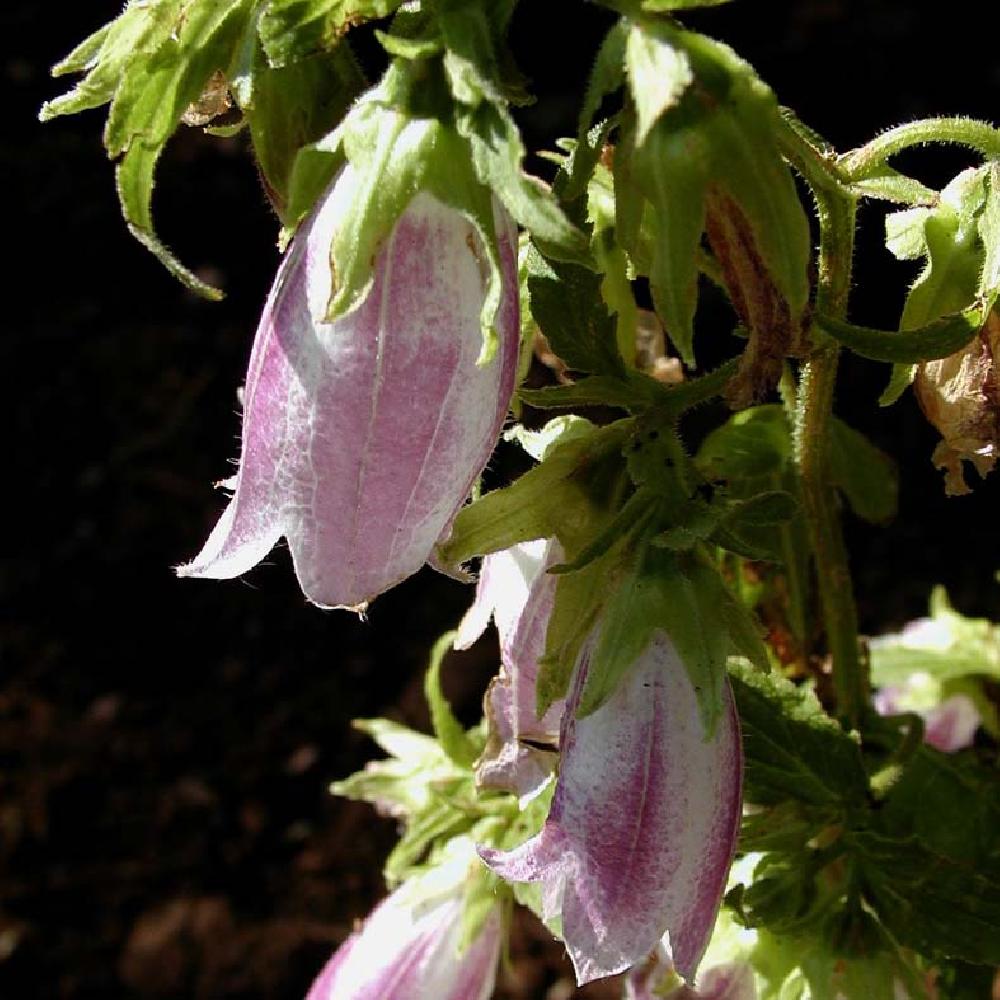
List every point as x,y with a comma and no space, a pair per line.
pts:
166,745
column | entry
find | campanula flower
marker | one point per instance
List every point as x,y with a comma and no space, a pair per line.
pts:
643,823
411,947
363,437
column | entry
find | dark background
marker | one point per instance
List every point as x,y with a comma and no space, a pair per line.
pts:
165,745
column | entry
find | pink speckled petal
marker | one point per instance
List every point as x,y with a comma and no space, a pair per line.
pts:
410,951
363,437
643,823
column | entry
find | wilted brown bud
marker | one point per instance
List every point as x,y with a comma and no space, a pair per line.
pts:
774,332
960,396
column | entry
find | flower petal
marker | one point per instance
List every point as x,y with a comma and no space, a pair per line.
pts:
516,591
408,949
643,823
363,437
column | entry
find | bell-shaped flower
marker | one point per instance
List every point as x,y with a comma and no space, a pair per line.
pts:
413,946
516,591
363,437
643,822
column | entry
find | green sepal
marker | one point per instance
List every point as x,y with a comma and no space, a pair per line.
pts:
552,499
683,596
292,107
671,172
666,6
497,154
150,101
454,740
630,520
398,143
293,29
718,143
566,304
658,74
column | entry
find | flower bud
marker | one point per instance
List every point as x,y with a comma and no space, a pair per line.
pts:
363,437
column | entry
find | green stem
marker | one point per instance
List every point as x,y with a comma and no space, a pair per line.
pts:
837,214
977,135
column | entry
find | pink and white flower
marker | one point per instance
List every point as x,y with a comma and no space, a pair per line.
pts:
643,823
363,437
410,948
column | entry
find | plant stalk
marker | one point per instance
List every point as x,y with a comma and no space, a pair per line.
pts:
814,413
977,135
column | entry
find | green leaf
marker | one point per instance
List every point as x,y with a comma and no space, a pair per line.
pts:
136,34
936,339
864,474
794,750
293,29
754,442
403,783
927,901
567,306
448,730
470,60
635,394
658,73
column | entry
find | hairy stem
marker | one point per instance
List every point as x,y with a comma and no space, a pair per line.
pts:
977,135
814,413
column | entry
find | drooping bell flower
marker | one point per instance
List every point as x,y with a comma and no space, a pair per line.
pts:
363,437
643,822
519,595
411,947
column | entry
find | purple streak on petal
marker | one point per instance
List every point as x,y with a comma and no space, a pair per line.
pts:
952,725
362,438
643,823
408,951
